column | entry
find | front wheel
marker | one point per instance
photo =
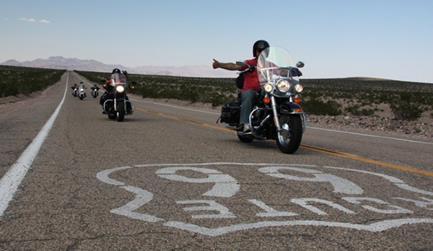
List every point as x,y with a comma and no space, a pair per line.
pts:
289,139
120,112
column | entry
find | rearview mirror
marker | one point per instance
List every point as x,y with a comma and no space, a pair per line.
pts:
300,64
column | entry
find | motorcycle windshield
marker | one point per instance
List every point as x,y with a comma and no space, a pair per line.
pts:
273,63
118,79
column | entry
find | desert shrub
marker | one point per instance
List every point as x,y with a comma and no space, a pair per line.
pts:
218,99
406,111
358,111
407,106
318,107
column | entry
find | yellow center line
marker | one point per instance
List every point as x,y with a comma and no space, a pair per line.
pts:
401,168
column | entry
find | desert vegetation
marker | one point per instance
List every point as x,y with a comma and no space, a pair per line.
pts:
351,96
23,80
365,97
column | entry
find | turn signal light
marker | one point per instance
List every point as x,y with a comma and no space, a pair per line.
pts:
298,100
266,100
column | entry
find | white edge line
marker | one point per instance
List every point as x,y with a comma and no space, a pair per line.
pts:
10,182
370,135
309,127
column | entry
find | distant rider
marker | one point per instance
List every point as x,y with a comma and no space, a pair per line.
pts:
82,85
95,86
74,89
251,85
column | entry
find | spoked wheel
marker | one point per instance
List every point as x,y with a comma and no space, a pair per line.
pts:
289,139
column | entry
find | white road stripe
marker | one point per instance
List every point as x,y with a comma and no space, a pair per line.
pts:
370,135
13,178
309,127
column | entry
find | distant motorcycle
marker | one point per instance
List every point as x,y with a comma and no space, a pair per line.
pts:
81,93
117,105
74,91
278,113
95,91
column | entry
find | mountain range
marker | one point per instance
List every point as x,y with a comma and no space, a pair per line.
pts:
59,62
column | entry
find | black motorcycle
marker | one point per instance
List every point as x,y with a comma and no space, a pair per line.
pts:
277,114
74,91
95,91
117,104
81,92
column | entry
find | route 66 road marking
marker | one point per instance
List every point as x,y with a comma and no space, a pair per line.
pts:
225,186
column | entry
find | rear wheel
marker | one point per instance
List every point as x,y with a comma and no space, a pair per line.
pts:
245,138
289,139
112,116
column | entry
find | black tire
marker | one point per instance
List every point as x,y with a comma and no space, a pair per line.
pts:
245,138
291,143
112,116
81,97
120,112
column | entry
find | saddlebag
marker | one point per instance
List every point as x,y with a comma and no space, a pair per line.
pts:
230,113
240,81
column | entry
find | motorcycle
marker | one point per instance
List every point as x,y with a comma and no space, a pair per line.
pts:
277,114
74,91
117,105
81,93
95,92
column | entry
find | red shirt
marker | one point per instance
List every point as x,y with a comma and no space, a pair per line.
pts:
251,80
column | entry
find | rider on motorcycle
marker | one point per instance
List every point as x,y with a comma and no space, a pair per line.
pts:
95,86
251,85
108,86
82,85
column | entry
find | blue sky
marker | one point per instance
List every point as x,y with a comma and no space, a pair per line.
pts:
382,38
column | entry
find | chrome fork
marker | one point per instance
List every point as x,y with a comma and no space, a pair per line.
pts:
274,110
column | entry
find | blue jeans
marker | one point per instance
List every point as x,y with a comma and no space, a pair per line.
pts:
247,102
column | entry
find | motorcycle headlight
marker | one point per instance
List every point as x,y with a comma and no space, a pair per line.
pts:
120,88
283,86
299,88
268,87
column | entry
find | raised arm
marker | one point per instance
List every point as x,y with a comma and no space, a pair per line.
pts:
227,66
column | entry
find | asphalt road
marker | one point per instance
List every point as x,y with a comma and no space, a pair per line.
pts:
170,178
